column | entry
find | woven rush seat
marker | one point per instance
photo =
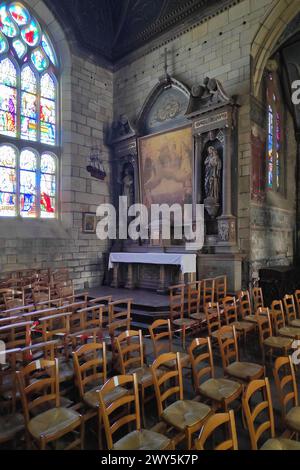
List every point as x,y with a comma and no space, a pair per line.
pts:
142,440
53,421
281,444
185,413
244,370
219,389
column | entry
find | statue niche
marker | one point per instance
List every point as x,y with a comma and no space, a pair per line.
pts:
213,166
127,182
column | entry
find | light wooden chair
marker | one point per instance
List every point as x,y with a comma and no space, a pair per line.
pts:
220,392
268,342
48,426
11,420
213,319
258,298
186,417
245,308
297,300
138,439
209,290
214,423
231,318
119,316
177,317
161,337
194,290
287,390
232,366
41,294
131,356
90,366
291,312
264,406
278,318
220,288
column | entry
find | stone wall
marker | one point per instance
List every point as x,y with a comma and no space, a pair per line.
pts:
87,104
218,47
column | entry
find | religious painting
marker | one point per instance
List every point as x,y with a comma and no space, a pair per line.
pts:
89,222
166,173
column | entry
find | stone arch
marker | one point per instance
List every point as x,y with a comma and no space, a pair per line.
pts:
277,18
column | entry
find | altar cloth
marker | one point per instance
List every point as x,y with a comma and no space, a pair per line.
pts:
187,263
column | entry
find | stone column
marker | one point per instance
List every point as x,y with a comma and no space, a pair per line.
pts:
227,222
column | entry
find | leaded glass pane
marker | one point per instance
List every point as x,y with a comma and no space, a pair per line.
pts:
7,181
31,33
19,13
8,73
3,43
40,60
28,80
47,87
28,160
20,48
48,164
48,49
8,103
7,25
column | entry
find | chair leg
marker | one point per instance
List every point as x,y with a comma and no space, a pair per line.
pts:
82,432
143,406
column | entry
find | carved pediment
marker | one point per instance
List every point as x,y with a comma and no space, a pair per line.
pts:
208,96
165,107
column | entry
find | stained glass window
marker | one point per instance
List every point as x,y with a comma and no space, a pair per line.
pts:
274,161
48,186
47,110
8,181
28,110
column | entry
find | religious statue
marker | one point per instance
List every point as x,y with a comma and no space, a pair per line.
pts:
128,186
213,167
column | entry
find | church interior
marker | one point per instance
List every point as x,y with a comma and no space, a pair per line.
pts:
149,225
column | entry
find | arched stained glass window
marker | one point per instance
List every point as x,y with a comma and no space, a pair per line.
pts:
28,116
275,135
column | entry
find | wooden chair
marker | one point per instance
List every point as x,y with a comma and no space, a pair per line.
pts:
278,317
291,312
194,302
90,366
119,316
161,336
184,416
242,371
252,412
131,356
215,423
245,308
51,425
286,385
138,439
178,320
221,392
16,335
11,421
268,342
220,288
213,319
231,318
258,298
41,294
91,317
297,300
209,290
104,301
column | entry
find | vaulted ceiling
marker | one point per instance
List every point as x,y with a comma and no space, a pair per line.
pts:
114,28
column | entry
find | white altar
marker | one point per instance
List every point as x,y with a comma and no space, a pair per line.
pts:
186,262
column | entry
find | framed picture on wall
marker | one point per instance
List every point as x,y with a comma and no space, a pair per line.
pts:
166,168
89,222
